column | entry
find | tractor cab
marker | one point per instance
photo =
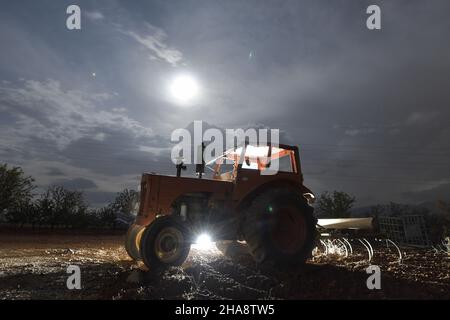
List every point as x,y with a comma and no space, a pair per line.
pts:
262,160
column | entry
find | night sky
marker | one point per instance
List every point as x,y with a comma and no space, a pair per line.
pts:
90,109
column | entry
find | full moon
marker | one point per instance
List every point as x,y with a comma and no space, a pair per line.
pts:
184,88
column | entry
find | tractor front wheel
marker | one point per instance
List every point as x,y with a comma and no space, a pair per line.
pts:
165,242
132,241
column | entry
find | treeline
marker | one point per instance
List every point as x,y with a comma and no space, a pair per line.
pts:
58,207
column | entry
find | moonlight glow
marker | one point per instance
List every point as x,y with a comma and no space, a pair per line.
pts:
184,89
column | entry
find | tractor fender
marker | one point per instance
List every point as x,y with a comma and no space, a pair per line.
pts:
247,200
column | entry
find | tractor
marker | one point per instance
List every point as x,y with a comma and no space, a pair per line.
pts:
241,200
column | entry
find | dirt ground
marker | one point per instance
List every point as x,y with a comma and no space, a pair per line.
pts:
33,266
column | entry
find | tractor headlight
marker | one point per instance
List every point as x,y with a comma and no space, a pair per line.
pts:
204,242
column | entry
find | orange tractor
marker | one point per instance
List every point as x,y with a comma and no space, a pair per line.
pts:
242,200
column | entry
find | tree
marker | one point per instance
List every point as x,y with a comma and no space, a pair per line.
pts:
126,201
16,193
125,204
445,212
439,223
32,214
108,216
444,207
93,217
335,205
376,210
398,209
59,206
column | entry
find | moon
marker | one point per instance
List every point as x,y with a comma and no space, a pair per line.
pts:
184,89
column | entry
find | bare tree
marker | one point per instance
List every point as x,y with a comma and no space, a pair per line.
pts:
59,206
126,201
376,210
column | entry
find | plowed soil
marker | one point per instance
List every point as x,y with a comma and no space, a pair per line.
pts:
33,266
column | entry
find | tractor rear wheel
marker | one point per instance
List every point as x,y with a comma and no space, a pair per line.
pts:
280,226
165,242
132,241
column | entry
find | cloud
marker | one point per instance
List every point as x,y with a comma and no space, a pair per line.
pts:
154,39
352,132
52,171
120,153
45,110
440,191
74,132
421,118
76,183
94,15
316,65
98,198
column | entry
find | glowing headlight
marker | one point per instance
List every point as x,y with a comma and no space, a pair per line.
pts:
204,242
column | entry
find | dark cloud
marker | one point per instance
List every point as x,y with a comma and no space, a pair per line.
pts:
76,183
118,153
98,198
54,172
441,192
369,109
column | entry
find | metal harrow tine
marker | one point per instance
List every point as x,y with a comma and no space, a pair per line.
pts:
370,246
345,247
349,245
367,248
400,257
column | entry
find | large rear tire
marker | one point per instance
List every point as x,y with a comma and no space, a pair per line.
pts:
280,226
165,242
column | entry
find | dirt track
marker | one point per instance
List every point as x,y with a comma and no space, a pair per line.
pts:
34,266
